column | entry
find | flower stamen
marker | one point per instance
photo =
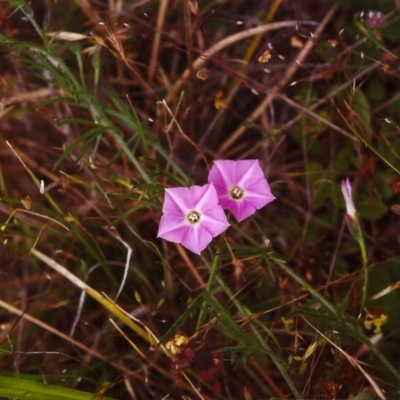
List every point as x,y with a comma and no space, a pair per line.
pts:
237,193
193,217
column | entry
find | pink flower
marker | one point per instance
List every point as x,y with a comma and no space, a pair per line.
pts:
192,217
241,186
346,190
351,213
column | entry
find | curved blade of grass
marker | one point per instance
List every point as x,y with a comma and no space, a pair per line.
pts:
356,334
307,287
354,362
370,35
210,282
362,139
36,180
278,361
345,325
86,138
131,156
191,308
103,300
20,388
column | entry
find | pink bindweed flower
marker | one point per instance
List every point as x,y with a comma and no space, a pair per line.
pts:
192,217
241,186
346,190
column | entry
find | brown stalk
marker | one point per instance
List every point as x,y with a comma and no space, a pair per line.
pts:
228,41
157,38
251,50
90,11
290,71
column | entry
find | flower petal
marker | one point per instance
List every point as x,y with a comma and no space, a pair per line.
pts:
176,201
214,220
196,239
346,190
248,176
206,196
172,229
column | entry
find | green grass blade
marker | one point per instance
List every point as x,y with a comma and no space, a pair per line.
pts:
14,387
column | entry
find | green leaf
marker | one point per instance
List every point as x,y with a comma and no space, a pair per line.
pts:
371,208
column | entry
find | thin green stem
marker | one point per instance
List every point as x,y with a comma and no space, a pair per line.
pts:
361,243
363,140
210,282
280,364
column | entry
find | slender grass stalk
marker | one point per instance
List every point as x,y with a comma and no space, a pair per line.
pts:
361,243
210,284
104,301
279,363
366,142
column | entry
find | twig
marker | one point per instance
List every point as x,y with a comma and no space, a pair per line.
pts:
209,53
290,71
157,37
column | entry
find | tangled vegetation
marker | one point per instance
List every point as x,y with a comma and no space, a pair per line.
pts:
105,105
